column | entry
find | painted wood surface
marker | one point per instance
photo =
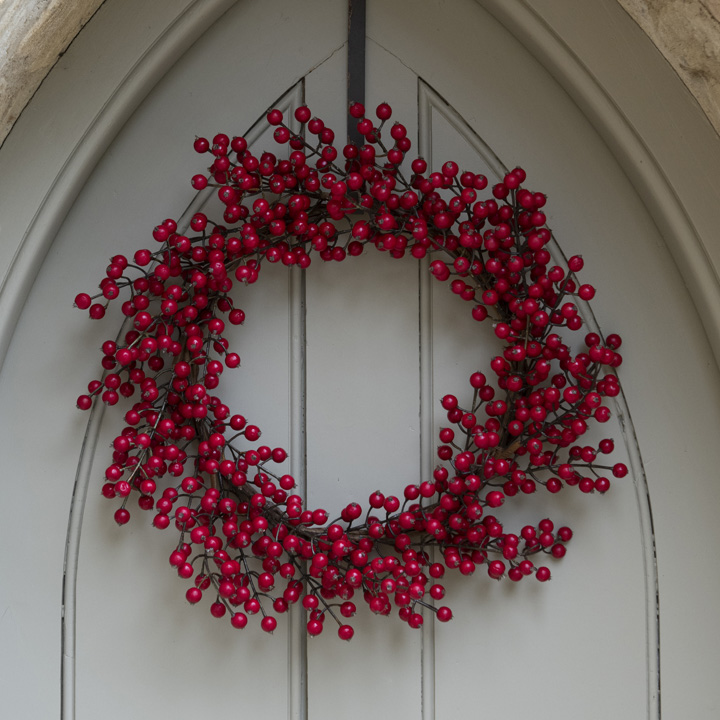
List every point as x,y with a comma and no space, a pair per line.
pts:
379,345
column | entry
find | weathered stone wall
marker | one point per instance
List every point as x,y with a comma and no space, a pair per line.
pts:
34,33
687,33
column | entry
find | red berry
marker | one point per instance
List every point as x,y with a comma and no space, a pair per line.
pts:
83,301
383,111
314,628
419,166
199,182
274,117
345,632
303,114
97,311
201,145
239,620
542,574
357,110
450,169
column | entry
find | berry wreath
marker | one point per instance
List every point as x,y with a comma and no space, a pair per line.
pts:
244,537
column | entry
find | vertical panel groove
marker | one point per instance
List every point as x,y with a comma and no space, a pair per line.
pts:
72,556
297,637
427,665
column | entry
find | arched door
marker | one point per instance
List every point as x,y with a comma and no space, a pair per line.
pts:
345,364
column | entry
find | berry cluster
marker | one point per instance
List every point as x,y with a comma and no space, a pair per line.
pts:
244,537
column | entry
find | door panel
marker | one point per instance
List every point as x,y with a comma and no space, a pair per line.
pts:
522,627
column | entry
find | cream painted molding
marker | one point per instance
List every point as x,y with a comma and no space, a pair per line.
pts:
33,35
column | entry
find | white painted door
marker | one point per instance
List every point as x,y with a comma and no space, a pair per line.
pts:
381,346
